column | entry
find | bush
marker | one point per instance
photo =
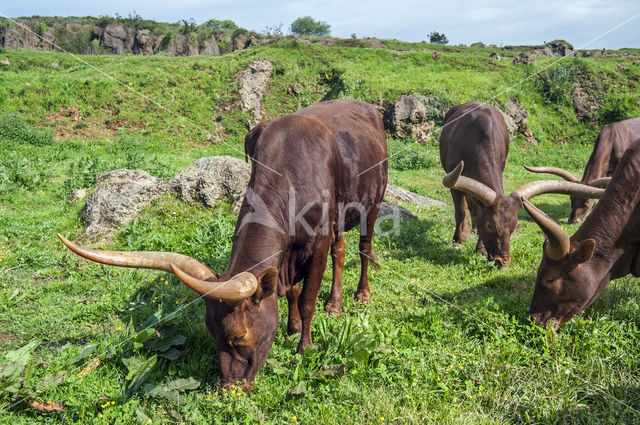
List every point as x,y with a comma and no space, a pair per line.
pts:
618,108
308,26
13,129
557,83
438,38
412,161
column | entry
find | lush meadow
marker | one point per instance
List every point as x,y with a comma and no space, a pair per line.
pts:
445,337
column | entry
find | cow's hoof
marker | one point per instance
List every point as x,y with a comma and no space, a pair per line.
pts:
332,307
362,296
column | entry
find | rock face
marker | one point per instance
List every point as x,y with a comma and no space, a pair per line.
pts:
212,179
210,48
240,42
555,48
586,107
181,45
373,43
144,43
252,84
408,117
524,58
16,37
399,194
515,117
118,39
117,199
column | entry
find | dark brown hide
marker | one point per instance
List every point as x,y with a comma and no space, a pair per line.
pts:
476,134
612,142
605,247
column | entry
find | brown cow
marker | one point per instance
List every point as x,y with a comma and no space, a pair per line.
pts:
575,270
473,149
289,220
612,142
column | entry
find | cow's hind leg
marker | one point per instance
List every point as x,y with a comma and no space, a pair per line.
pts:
337,256
366,255
460,207
294,325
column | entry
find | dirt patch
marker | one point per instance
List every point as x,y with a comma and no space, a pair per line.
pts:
70,123
6,338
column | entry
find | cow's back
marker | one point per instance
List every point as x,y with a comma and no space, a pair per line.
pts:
361,172
476,134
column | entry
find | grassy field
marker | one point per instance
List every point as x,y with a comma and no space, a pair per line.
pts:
445,337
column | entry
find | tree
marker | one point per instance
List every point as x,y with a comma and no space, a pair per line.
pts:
438,38
216,24
308,26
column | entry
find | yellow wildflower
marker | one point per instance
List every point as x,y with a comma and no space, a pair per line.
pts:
118,328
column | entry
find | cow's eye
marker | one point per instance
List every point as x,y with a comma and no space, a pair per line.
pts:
235,340
549,281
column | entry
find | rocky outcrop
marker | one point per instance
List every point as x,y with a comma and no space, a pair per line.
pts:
210,48
17,37
494,56
117,38
144,44
252,84
524,58
182,45
118,198
515,117
213,179
586,106
373,43
409,117
399,194
555,48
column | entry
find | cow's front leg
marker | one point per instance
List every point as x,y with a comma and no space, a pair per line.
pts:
294,325
309,294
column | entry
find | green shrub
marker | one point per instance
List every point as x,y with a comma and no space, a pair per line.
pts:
618,108
13,129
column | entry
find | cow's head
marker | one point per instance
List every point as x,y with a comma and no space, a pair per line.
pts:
579,209
241,310
569,278
499,214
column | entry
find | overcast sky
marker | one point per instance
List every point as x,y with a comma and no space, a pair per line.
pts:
490,21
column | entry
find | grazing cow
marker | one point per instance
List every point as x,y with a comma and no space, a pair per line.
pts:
473,150
575,270
308,185
612,142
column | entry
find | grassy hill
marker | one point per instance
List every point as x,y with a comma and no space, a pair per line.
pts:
444,339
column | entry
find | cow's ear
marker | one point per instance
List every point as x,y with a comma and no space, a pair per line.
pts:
584,252
267,283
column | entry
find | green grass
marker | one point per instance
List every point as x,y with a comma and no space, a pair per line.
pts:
445,337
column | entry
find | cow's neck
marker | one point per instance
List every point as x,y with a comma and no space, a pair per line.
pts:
613,222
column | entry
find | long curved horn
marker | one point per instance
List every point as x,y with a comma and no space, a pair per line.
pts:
455,180
601,182
142,259
553,170
558,246
539,187
236,289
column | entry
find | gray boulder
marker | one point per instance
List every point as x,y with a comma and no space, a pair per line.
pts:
212,179
210,48
524,59
118,198
399,194
252,84
394,212
78,195
494,56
